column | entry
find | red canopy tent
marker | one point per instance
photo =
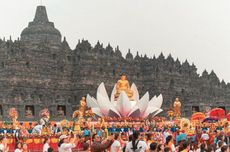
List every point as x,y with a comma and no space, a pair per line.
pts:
228,116
217,113
198,116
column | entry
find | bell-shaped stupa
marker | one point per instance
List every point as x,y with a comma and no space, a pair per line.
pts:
41,29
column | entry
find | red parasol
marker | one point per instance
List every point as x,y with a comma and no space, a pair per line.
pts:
198,116
228,116
217,112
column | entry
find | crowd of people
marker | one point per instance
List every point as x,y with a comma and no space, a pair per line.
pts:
137,137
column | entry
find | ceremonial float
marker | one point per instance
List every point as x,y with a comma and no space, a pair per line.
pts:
124,102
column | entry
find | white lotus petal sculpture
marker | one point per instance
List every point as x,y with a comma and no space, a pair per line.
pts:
135,92
91,102
122,106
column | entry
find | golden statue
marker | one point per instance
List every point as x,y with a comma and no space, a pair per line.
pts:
177,108
82,108
123,85
13,115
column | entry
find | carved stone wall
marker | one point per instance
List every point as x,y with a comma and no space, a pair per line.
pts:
40,70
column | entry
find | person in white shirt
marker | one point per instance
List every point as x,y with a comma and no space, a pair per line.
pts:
1,147
136,144
204,136
219,144
18,147
65,145
166,133
3,144
46,145
37,130
116,146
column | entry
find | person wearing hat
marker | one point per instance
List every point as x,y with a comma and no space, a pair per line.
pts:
65,145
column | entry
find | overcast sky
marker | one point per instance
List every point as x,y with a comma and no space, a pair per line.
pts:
196,30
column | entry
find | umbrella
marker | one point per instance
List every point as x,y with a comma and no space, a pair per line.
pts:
181,137
217,112
210,119
198,116
228,116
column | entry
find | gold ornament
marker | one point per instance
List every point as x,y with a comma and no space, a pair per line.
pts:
177,108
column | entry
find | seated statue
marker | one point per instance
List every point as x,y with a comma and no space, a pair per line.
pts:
177,108
29,113
60,112
123,85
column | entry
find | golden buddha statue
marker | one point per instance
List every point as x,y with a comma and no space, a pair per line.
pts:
82,108
177,108
123,85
